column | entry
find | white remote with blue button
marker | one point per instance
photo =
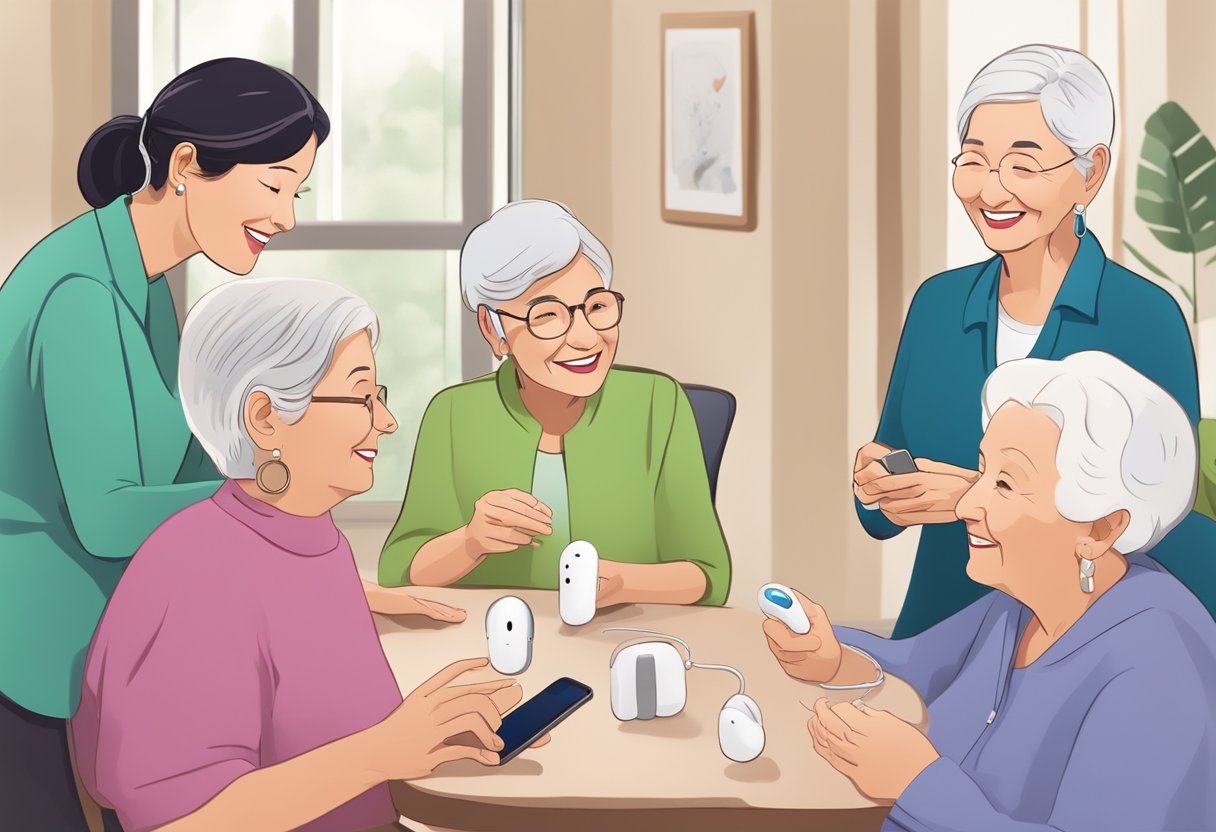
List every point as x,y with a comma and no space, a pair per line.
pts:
778,601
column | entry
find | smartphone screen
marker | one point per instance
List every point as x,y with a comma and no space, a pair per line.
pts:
531,720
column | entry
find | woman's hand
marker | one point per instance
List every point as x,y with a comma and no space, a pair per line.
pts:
814,657
412,741
611,585
396,601
505,520
928,495
878,751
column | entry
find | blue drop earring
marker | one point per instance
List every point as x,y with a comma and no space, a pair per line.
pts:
1078,220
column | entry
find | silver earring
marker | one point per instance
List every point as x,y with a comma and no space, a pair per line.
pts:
180,189
1078,220
1087,575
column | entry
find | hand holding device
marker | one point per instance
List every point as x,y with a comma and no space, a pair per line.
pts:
813,656
411,741
539,715
509,632
578,578
777,601
898,462
505,520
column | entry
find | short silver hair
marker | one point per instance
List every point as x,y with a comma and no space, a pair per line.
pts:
521,243
270,335
1125,443
1073,93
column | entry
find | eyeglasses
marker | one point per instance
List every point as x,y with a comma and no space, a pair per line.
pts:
367,401
1018,173
551,319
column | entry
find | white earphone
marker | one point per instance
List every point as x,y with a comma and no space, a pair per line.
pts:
648,681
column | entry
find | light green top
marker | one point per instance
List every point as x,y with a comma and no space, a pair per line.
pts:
635,474
94,448
549,486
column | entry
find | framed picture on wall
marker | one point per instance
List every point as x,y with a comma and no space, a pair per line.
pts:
707,168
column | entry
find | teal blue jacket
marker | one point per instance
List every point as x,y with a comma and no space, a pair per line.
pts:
94,448
932,408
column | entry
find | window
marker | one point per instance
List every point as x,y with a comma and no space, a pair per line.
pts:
409,167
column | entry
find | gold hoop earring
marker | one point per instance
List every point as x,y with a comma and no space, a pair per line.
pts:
273,476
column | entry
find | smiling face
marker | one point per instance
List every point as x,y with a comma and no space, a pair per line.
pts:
1038,185
1016,535
332,447
576,363
232,216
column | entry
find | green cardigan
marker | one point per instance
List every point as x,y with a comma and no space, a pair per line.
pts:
635,476
94,449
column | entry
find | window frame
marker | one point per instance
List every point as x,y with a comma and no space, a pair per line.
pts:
481,156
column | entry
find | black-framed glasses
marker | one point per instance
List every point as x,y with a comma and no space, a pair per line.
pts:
550,318
381,395
1016,171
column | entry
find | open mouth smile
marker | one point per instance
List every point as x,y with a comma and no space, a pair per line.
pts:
366,453
1002,219
256,239
581,365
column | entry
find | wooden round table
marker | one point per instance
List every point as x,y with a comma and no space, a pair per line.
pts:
602,774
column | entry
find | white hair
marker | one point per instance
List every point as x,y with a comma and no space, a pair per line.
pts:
1125,443
521,243
1073,93
270,335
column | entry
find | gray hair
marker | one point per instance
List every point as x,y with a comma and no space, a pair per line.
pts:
521,243
1125,443
1073,93
271,335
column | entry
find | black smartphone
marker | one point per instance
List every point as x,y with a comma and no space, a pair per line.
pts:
898,462
536,717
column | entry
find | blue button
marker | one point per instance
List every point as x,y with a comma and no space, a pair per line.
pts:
779,598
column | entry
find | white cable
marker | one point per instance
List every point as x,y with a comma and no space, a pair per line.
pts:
143,152
742,683
864,686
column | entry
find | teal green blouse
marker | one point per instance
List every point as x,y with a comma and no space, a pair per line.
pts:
95,447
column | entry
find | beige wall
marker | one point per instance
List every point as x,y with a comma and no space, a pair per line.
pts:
764,313
55,60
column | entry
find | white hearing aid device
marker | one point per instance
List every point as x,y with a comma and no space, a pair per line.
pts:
509,631
578,582
648,680
778,601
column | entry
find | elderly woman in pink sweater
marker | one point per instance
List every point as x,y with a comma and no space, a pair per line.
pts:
236,680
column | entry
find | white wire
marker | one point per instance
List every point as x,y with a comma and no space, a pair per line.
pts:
143,152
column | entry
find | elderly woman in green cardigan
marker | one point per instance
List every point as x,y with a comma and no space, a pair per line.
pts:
557,445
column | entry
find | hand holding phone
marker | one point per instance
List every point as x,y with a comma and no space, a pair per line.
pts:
898,462
539,715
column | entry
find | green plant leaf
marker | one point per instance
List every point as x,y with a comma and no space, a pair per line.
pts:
1211,260
1148,265
1176,182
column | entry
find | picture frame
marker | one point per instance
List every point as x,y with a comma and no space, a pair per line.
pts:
707,171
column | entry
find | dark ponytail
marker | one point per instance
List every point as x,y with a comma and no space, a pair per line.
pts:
233,110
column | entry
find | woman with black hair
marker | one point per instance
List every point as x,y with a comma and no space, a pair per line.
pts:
95,452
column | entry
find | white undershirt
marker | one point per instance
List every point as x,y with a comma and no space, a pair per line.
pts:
1014,339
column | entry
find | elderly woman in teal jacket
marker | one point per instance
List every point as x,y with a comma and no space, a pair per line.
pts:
557,444
1034,130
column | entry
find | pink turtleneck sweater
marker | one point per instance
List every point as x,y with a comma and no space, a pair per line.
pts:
238,637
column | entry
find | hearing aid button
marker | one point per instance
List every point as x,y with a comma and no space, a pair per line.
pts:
779,598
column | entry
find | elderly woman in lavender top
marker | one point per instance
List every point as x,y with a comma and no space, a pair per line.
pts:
236,680
1082,694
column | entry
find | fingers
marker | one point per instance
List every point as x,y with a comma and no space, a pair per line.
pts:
854,717
919,518
440,612
545,740
870,473
814,613
841,755
831,721
519,522
868,453
470,703
449,674
523,499
507,536
475,724
507,697
452,753
789,641
484,688
932,466
897,482
785,656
